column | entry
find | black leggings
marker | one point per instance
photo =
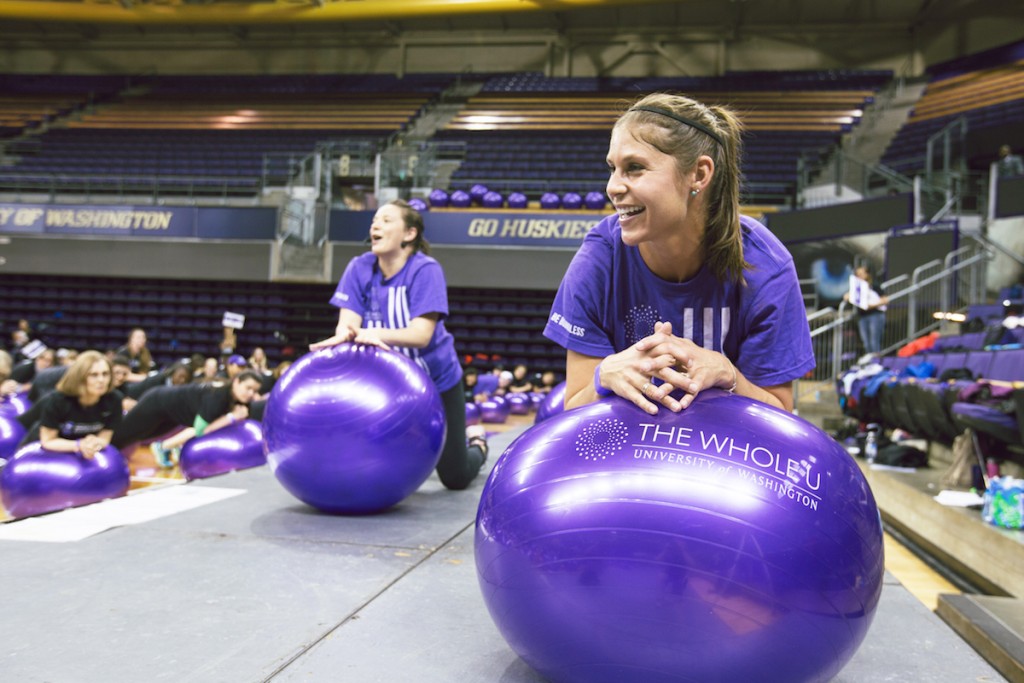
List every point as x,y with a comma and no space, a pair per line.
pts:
459,463
146,420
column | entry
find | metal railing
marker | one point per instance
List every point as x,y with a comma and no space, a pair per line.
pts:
934,289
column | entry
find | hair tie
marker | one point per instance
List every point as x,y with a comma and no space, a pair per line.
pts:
693,124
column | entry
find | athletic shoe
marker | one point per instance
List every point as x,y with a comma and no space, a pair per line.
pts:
163,457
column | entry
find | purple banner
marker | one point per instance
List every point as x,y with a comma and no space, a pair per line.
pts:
139,221
512,228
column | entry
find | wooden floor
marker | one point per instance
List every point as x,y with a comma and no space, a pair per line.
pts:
919,579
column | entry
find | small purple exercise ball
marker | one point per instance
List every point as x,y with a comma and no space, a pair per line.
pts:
595,201
460,199
15,404
518,200
438,198
238,446
36,480
472,413
572,200
419,204
550,200
518,404
353,429
552,404
493,200
11,434
494,409
477,193
730,542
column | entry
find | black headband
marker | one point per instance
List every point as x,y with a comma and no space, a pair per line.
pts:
693,124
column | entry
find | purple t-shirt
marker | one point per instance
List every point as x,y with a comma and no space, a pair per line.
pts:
609,299
416,290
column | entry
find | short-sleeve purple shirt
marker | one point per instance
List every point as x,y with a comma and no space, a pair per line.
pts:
416,290
609,299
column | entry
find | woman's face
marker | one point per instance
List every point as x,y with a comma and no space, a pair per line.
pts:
45,359
645,188
97,382
136,340
388,231
245,391
210,367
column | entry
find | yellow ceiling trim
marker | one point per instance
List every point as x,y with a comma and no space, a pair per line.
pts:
275,12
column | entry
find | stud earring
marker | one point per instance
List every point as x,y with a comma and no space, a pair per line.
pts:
694,192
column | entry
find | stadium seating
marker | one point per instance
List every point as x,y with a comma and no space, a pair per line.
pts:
986,89
535,134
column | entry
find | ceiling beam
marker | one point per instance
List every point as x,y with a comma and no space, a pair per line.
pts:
275,12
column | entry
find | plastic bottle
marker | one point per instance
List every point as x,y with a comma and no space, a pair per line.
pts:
871,444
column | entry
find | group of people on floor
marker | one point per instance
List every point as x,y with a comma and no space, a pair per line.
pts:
120,398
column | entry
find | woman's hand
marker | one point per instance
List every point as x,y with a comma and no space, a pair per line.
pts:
240,411
342,334
90,445
680,364
370,336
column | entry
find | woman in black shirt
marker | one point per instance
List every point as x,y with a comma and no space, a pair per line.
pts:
199,408
83,413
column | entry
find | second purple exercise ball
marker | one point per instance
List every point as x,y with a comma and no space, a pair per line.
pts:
353,429
732,542
238,446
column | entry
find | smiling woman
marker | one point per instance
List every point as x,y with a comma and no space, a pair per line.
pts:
82,414
677,292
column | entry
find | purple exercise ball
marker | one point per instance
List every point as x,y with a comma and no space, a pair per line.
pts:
353,429
730,542
460,199
477,193
493,200
36,480
15,404
418,204
11,434
518,200
472,413
438,198
518,404
552,404
238,446
572,200
595,201
494,409
550,200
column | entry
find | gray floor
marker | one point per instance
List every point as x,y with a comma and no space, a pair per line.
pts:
260,587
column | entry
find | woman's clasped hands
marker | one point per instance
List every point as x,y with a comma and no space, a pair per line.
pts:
649,371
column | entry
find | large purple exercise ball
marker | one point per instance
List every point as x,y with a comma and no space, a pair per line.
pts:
729,542
238,446
36,480
353,429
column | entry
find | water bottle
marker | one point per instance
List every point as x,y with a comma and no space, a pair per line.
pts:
871,444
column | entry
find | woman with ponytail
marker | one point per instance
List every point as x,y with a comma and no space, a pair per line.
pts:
677,292
395,295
